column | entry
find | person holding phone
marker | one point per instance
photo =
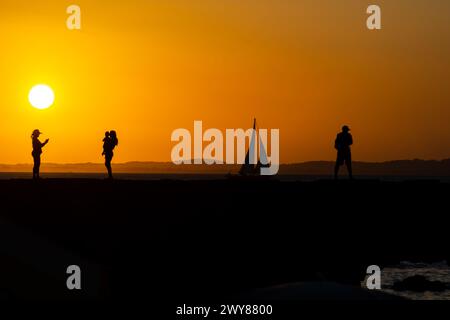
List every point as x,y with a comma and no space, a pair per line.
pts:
37,151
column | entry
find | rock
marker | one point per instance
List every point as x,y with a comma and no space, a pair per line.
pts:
317,291
419,284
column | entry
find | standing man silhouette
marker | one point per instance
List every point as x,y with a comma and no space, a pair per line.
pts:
344,155
37,151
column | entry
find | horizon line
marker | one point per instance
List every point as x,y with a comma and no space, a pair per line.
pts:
228,164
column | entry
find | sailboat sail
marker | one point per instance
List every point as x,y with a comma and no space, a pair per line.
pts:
262,153
249,167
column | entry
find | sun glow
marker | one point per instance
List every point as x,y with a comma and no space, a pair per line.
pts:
41,96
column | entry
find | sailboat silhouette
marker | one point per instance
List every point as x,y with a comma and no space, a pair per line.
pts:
253,164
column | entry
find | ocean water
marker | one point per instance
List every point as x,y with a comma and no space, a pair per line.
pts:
434,272
193,176
118,176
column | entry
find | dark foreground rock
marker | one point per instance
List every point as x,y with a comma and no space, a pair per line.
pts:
208,240
318,291
419,284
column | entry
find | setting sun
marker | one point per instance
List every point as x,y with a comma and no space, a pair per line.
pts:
159,68
41,97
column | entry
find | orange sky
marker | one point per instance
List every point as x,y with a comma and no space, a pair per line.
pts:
306,67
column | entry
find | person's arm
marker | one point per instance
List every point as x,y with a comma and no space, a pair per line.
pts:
350,142
44,144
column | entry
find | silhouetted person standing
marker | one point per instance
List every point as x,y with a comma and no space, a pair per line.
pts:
344,155
37,151
109,143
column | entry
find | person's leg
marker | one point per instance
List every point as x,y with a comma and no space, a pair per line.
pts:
109,171
336,170
338,164
34,168
37,164
108,159
108,166
348,162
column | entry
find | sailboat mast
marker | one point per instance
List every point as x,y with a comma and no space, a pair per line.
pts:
249,166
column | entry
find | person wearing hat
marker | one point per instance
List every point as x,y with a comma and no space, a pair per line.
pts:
344,155
37,151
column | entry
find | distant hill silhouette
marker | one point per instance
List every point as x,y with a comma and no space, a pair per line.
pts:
388,168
